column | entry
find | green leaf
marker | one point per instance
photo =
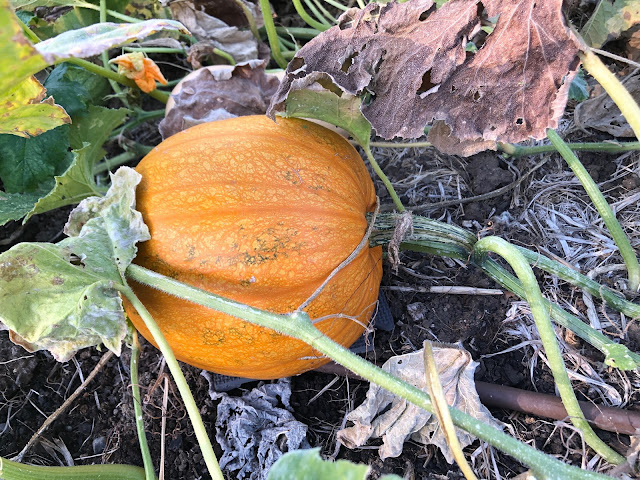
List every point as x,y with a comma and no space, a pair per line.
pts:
74,185
95,128
25,163
95,39
307,464
14,206
61,297
342,111
609,20
578,88
25,113
72,95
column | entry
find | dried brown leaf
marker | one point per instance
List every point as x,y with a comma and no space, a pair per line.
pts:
222,28
219,92
603,114
409,62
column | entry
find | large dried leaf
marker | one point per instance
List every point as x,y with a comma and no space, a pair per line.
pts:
409,62
218,25
383,415
219,92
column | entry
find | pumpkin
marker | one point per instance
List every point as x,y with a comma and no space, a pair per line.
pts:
262,213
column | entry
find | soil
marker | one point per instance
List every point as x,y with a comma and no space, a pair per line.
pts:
99,426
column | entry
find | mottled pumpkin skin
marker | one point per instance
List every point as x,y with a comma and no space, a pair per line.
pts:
261,213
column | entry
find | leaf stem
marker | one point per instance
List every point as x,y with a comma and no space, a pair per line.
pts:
514,150
270,28
384,178
110,74
609,218
298,325
137,408
307,18
19,471
250,19
618,93
547,334
112,13
183,387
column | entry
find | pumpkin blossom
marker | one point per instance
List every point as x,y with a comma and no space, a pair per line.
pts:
140,69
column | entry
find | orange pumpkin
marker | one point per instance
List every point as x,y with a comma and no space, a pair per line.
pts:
261,213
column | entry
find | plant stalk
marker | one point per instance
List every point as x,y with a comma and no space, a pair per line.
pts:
272,35
307,18
616,90
10,470
298,325
384,178
183,387
547,334
609,218
137,408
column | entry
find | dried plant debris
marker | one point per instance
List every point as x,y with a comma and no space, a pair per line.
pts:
256,429
410,63
383,415
219,24
219,92
603,114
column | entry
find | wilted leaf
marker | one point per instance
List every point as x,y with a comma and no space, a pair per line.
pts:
61,297
603,114
95,39
19,59
383,415
409,62
219,92
208,22
26,112
609,20
256,429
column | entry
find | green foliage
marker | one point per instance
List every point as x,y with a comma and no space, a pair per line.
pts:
307,464
75,88
578,89
25,163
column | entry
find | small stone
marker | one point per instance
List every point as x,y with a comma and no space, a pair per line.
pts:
99,444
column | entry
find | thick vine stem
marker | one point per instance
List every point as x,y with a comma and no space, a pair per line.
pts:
19,471
609,218
183,387
547,334
298,325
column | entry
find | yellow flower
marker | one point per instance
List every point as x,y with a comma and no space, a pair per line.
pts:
140,69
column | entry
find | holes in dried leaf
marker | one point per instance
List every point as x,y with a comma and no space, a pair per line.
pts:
476,96
424,15
519,121
427,84
346,65
296,64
